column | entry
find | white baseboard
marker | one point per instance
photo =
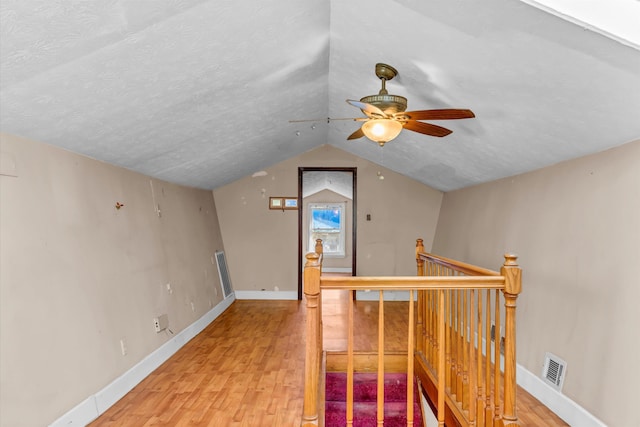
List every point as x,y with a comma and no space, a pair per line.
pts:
267,295
572,413
336,269
388,295
95,405
561,405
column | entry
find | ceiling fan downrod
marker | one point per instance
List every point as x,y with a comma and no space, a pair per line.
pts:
390,104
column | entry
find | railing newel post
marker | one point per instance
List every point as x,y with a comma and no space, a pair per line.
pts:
419,261
513,286
313,346
319,248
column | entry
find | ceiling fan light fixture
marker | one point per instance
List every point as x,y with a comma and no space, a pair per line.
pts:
381,130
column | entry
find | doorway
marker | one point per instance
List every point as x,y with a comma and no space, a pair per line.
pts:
335,183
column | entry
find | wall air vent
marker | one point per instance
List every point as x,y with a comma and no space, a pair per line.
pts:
554,371
225,280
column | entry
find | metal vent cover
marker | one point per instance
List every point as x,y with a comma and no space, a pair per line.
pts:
223,272
554,370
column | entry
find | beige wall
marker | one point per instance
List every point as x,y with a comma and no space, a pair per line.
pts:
77,275
257,239
576,227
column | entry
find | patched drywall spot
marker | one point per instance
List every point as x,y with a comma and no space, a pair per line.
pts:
8,164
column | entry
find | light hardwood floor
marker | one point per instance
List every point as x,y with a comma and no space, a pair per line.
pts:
246,368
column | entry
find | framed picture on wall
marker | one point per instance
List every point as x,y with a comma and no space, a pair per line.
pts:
276,202
283,203
291,203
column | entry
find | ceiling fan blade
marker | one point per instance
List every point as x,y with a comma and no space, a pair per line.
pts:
444,114
427,128
369,110
357,134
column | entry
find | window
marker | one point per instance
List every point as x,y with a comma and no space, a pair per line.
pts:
326,222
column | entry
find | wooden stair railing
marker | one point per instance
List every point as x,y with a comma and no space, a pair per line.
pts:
449,339
454,349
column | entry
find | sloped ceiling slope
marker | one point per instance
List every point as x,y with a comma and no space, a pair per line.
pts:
202,92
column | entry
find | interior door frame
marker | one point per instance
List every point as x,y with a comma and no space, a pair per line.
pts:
354,215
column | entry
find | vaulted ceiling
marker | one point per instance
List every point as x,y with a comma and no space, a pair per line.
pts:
202,92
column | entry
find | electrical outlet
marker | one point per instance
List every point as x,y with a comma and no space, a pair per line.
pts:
161,322
193,306
123,347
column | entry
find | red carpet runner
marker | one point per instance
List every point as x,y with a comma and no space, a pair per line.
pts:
364,398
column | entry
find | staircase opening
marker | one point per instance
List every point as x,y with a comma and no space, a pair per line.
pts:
365,400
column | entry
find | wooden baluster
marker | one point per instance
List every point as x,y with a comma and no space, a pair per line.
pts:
380,413
410,358
420,323
465,349
312,352
513,286
433,271
480,381
473,379
422,332
459,349
441,365
319,249
435,315
496,366
420,317
427,326
435,319
433,328
449,352
454,341
448,337
436,327
350,362
488,415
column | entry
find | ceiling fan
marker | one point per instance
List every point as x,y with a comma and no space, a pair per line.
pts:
386,115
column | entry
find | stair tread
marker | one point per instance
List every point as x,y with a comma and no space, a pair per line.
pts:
365,387
365,414
365,400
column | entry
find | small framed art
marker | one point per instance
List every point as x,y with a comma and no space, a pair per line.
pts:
290,203
276,202
283,203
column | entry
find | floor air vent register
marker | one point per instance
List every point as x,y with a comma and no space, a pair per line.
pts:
554,371
225,280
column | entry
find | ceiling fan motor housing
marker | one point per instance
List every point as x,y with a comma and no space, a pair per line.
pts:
390,104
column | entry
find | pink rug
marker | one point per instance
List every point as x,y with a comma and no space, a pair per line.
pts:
365,391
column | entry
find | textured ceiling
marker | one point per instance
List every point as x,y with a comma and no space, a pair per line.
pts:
201,92
338,182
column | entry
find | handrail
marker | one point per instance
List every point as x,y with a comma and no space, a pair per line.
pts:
453,318
462,267
407,283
